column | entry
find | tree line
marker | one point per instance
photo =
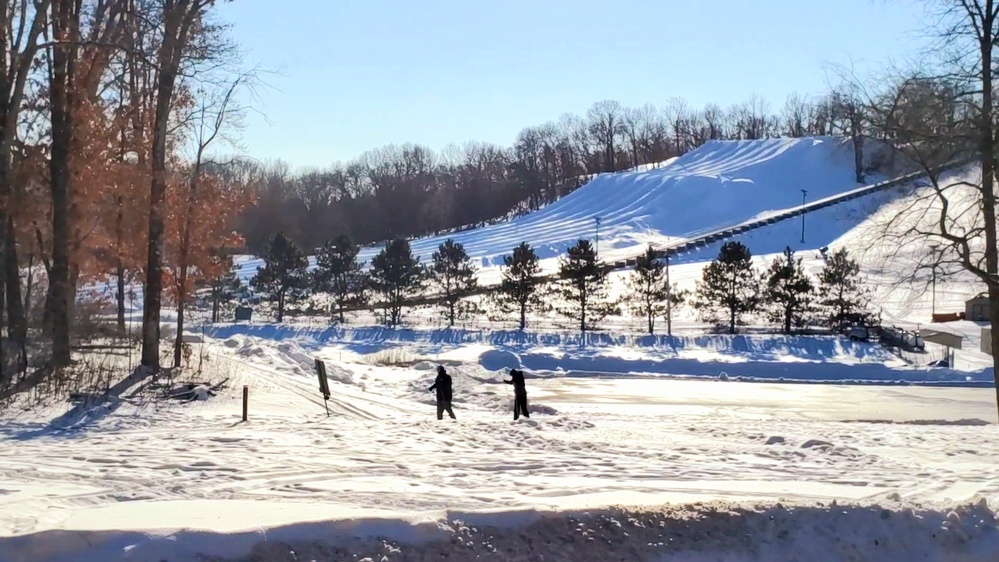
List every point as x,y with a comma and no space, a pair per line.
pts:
112,111
730,287
405,191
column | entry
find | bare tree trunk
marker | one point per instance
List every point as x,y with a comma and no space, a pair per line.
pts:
179,340
65,22
185,247
120,275
119,228
669,302
4,377
29,286
17,324
152,296
216,297
858,150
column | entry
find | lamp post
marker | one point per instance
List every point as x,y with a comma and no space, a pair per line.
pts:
669,301
597,235
933,253
804,192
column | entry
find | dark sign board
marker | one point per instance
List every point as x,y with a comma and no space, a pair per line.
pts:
324,385
243,313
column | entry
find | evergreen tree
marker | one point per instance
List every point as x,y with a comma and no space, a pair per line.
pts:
224,289
729,284
840,289
396,275
339,273
583,287
648,290
283,272
520,283
788,291
453,273
650,293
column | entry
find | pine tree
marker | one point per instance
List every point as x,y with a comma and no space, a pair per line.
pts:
583,287
520,284
840,289
454,274
648,290
788,291
729,284
340,274
224,289
651,295
396,274
284,270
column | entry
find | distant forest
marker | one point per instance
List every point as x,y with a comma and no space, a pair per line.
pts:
411,190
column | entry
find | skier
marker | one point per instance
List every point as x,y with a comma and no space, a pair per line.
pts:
443,387
520,392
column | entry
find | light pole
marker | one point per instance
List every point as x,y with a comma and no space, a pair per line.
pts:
669,301
804,192
933,253
597,233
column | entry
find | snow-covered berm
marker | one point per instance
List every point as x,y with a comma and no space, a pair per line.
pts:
140,478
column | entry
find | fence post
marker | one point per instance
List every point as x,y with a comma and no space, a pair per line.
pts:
246,401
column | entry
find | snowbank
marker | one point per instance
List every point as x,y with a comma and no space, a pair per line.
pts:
812,359
701,533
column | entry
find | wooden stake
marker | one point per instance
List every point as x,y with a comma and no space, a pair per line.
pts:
246,401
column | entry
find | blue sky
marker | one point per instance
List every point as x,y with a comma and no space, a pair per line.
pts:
357,74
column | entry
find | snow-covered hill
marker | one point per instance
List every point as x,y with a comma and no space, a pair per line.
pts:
722,183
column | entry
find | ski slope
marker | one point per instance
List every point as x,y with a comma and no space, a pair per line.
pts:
720,184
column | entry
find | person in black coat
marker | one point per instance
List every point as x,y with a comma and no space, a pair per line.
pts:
443,386
520,393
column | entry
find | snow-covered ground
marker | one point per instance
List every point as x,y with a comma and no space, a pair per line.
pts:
122,484
698,436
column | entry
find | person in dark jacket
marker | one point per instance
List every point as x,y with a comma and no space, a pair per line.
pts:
520,394
443,386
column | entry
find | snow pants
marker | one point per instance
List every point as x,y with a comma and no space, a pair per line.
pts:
444,406
520,404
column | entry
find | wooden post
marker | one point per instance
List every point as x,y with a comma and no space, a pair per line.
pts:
246,401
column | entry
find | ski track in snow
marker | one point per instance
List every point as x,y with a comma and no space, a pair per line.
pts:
382,449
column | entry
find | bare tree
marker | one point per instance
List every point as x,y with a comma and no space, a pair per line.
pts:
714,120
217,113
795,116
62,92
678,115
180,19
935,115
22,24
606,123
850,119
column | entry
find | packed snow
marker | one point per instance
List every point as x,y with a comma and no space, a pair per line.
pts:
129,478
